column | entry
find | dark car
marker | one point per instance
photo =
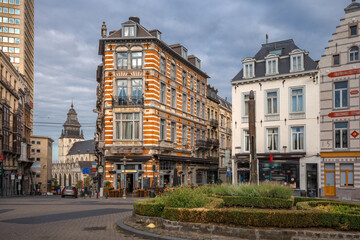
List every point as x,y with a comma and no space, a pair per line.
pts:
69,191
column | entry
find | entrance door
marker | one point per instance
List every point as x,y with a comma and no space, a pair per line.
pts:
330,180
311,184
130,182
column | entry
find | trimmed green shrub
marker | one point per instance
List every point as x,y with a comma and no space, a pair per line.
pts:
335,207
271,190
265,218
257,202
308,199
215,203
149,207
185,197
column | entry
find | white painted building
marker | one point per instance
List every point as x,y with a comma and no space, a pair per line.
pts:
284,79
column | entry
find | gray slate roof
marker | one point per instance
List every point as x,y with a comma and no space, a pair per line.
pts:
82,147
286,47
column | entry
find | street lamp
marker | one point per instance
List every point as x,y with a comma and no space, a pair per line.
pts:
124,188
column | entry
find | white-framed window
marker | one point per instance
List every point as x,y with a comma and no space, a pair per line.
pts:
203,110
297,99
122,60
184,135
136,59
173,132
354,54
129,31
192,105
297,139
184,102
246,98
249,70
162,65
272,66
172,71
162,129
198,108
341,136
198,86
184,78
129,91
163,93
341,94
127,126
184,53
173,97
272,139
272,102
192,137
191,82
203,89
246,141
297,63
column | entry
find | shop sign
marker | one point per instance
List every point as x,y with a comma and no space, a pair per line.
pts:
344,73
129,171
354,134
344,114
354,92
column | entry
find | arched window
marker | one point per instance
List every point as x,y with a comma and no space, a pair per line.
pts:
354,54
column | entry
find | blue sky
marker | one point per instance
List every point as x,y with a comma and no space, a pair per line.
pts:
221,33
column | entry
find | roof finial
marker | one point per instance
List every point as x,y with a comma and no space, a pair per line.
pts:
267,38
72,103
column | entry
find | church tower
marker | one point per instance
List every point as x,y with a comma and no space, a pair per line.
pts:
70,134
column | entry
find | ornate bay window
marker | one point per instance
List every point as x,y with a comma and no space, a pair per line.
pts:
127,126
129,92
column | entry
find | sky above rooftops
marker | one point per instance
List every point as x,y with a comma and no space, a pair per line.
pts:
220,33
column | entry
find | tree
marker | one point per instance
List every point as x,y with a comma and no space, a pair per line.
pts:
87,181
79,184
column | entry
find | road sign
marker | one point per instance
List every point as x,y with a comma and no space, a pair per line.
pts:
19,176
100,169
86,170
93,165
13,176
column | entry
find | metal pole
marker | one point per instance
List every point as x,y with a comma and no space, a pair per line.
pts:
252,134
124,188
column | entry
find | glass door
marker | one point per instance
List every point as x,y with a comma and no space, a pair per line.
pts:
330,189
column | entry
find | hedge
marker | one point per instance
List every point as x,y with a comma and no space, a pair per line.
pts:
151,208
265,218
215,203
312,204
308,199
258,202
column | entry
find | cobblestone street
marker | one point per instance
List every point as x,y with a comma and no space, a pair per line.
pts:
53,217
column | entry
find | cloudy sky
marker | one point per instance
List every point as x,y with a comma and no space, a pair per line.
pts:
220,32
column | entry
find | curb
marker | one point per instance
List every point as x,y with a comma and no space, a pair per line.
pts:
139,233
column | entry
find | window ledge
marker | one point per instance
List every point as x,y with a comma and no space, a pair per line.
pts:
297,115
272,117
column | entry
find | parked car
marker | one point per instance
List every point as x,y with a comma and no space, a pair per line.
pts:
69,191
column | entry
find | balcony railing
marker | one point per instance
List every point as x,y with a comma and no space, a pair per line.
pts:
228,130
214,123
203,143
130,101
214,142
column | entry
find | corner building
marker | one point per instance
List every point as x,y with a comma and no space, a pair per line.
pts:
151,127
340,109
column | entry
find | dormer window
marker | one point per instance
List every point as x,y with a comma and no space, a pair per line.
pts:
184,53
129,31
272,66
297,60
249,68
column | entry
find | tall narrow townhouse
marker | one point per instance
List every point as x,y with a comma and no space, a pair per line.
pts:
340,109
151,108
283,78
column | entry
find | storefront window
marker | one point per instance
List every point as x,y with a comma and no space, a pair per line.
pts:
285,172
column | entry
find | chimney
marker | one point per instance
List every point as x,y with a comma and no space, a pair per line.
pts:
135,19
103,30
